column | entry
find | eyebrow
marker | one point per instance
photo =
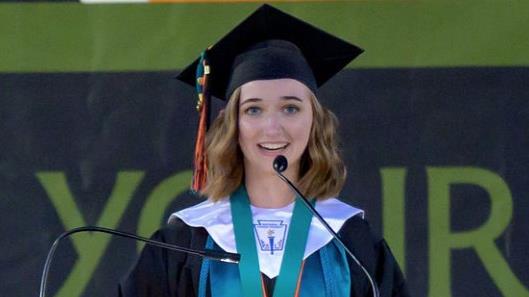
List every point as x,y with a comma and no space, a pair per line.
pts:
292,98
249,100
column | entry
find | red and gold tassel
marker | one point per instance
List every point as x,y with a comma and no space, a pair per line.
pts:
200,163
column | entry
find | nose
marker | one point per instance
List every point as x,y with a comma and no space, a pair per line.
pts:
273,125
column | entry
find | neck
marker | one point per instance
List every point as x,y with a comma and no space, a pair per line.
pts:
267,190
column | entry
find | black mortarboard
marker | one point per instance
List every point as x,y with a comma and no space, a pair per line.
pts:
271,44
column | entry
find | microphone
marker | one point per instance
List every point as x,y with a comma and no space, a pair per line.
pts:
207,253
280,165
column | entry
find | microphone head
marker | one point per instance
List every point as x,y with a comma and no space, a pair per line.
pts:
280,163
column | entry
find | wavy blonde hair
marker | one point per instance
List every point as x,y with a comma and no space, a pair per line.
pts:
322,171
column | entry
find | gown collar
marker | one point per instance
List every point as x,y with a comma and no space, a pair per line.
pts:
216,218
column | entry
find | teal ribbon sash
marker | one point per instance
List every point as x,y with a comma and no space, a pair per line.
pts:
250,274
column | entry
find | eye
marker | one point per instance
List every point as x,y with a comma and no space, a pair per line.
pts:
252,110
291,109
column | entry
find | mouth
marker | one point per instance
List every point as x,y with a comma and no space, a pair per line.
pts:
273,146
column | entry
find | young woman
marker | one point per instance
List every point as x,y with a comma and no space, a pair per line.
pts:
270,81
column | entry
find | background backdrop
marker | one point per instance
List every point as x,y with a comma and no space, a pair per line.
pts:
434,124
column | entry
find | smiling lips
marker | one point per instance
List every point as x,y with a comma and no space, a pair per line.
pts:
273,146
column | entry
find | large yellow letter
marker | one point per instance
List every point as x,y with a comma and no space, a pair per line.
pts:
481,239
89,248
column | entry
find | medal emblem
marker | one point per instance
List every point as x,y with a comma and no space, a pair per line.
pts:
270,235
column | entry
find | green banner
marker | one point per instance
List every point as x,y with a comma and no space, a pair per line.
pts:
52,37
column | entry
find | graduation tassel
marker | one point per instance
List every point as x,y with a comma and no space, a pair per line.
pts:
200,162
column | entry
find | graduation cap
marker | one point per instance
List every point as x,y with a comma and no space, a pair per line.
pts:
269,44
264,38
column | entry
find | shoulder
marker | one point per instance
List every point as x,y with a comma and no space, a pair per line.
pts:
337,212
177,231
359,226
204,213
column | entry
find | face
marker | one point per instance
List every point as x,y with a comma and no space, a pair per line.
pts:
275,118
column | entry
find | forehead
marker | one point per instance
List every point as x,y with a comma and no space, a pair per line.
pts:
274,88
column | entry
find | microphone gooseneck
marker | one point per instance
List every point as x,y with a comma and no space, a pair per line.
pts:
280,165
207,253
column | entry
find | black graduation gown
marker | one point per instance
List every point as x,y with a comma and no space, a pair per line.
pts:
162,273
